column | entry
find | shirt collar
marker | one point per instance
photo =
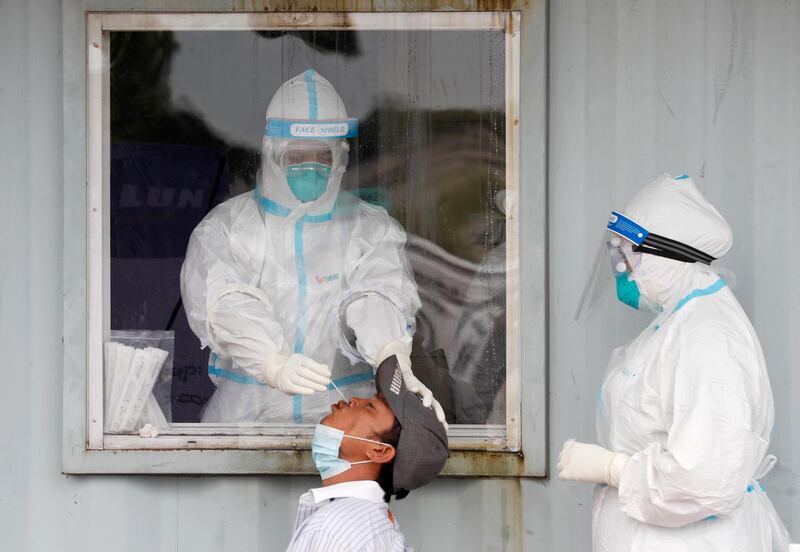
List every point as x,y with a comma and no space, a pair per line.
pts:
367,490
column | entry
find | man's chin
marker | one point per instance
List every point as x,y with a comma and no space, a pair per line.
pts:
324,420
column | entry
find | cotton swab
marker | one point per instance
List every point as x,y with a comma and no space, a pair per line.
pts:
340,392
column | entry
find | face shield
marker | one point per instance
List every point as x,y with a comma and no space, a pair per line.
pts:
619,259
614,260
309,152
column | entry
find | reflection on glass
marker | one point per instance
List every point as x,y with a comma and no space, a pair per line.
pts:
187,120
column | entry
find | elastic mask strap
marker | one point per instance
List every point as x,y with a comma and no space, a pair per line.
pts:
366,440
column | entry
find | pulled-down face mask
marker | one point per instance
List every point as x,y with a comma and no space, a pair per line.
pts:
325,445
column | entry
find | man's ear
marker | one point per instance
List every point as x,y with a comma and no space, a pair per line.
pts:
381,454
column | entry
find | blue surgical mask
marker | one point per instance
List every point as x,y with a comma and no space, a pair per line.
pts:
308,181
325,445
628,292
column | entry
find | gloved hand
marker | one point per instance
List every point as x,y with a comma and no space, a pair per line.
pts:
294,374
590,463
402,350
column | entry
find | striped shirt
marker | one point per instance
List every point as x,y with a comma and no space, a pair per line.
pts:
346,517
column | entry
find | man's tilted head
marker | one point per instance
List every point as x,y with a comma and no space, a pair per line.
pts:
422,448
356,442
390,438
369,418
365,418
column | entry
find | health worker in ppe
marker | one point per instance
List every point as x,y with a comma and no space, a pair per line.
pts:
685,410
298,286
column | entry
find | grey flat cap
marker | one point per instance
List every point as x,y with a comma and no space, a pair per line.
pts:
422,448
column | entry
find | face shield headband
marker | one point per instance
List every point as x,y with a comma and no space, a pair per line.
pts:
305,129
653,244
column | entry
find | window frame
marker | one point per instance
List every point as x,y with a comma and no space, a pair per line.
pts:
477,450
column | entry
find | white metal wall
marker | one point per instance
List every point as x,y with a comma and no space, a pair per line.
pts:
636,87
711,89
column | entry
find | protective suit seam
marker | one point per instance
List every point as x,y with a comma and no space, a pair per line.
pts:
297,408
697,293
311,87
271,207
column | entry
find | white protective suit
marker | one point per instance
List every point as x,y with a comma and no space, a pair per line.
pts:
688,400
265,273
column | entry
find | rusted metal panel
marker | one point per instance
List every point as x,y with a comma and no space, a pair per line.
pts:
323,5
361,21
200,461
486,464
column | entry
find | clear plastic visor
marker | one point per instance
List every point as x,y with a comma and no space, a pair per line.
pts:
299,152
614,255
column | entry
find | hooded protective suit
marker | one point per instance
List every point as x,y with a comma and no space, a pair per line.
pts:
689,401
266,273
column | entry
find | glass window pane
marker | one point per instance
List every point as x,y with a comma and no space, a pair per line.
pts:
334,281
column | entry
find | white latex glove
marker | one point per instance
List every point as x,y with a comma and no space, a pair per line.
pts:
294,374
590,463
402,350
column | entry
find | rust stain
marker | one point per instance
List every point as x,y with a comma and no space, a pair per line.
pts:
496,5
377,5
511,515
484,464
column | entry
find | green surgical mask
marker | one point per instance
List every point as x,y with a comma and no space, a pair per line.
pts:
628,292
308,181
